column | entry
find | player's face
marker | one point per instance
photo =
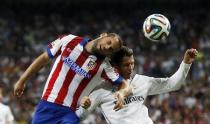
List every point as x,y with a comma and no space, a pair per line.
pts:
126,67
106,45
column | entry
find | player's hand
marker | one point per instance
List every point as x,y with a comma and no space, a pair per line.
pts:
120,101
19,88
85,102
190,55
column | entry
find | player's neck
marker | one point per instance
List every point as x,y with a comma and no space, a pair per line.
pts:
88,47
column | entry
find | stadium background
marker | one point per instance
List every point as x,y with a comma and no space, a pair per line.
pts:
26,27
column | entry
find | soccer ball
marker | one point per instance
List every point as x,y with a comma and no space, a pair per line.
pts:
156,27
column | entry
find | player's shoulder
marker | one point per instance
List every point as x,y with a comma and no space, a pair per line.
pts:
141,82
68,37
141,77
106,61
105,86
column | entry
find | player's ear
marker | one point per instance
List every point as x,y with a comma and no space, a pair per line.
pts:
103,34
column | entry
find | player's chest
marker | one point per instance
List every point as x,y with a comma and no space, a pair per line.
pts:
79,61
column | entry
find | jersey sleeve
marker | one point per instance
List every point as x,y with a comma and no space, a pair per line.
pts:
55,48
9,116
95,98
163,85
110,74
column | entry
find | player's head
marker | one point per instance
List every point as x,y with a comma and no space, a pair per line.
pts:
123,60
107,44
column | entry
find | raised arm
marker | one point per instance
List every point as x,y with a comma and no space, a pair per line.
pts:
37,64
163,85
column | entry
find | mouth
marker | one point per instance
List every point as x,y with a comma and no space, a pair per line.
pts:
101,49
129,73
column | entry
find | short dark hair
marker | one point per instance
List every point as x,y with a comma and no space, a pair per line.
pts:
117,57
118,37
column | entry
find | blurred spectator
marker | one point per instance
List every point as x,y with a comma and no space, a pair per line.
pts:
6,116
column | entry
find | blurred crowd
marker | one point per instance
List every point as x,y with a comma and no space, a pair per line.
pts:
24,36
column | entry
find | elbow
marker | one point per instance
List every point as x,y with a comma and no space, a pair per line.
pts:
177,85
176,88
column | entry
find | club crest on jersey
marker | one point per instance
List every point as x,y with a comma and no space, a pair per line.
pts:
91,65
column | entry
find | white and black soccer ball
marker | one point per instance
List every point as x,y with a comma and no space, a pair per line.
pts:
156,27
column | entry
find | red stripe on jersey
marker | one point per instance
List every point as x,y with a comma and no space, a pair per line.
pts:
52,80
58,53
69,77
83,84
56,72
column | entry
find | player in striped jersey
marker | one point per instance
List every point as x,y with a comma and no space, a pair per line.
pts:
134,112
80,65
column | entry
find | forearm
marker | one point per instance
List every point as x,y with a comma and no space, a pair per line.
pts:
124,88
178,78
35,67
82,113
181,73
184,68
164,85
94,99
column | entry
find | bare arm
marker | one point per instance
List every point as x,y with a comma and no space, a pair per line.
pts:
124,91
37,64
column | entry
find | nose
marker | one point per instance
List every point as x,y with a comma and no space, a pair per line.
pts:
130,67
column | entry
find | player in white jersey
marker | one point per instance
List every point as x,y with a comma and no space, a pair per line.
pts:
134,111
79,67
6,116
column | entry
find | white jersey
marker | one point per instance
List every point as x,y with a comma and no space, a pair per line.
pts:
75,72
134,111
5,114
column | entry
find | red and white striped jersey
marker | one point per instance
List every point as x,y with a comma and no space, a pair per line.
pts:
75,72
